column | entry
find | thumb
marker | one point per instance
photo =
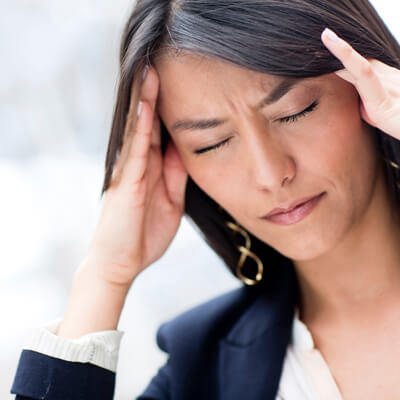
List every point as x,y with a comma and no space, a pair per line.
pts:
364,114
175,175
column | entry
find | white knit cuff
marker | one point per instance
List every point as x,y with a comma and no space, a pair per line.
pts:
98,348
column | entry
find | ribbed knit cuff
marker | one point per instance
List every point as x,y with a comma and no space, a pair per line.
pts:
98,348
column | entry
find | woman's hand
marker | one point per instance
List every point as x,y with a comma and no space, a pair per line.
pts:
144,203
378,84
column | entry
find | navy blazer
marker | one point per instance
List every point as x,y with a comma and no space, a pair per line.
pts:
231,347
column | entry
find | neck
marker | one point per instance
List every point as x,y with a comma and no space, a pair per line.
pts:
360,277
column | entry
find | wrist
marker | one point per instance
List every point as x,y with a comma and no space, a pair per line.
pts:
116,276
94,305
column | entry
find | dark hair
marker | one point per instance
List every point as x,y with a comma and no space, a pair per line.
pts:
278,37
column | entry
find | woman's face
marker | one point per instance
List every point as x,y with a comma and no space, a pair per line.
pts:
266,160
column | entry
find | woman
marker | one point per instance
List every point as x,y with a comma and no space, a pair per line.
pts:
288,163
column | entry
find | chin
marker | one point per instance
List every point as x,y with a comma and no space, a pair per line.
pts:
304,249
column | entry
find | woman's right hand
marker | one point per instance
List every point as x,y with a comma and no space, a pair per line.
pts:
144,202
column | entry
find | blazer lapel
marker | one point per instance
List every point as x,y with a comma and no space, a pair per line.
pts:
251,355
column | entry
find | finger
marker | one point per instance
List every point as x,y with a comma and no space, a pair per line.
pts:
386,69
156,133
346,75
130,123
136,163
150,87
149,93
389,74
366,80
365,116
134,100
175,176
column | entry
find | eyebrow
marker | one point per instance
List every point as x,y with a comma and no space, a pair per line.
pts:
283,87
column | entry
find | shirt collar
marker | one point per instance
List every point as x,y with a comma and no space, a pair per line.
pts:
301,336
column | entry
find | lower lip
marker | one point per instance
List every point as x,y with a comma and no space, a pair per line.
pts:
297,214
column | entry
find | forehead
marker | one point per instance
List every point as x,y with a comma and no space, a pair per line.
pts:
208,87
190,74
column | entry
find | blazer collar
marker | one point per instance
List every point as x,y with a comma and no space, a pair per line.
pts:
251,355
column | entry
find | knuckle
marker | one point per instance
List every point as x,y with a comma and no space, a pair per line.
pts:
139,154
386,104
348,51
366,69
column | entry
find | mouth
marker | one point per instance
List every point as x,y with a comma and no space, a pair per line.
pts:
297,213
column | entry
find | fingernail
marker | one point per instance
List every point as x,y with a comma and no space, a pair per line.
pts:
144,73
330,34
139,109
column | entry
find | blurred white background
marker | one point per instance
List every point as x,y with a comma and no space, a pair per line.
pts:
59,63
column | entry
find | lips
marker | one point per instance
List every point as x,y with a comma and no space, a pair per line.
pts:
292,206
298,213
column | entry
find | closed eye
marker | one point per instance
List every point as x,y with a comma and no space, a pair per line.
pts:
295,117
215,146
288,119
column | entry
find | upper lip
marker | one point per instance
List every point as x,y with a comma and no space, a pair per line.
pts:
289,206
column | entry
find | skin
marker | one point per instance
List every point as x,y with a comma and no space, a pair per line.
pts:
346,251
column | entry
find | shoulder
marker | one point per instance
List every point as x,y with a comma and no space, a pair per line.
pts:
239,315
210,319
220,340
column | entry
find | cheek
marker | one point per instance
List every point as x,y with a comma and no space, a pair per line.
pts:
200,171
218,180
345,150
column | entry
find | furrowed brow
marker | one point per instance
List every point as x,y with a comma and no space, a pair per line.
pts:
283,87
201,124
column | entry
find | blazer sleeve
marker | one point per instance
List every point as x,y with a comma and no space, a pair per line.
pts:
40,376
51,367
184,339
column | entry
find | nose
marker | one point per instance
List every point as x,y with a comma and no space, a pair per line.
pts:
269,164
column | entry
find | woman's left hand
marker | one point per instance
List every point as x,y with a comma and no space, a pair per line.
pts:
378,84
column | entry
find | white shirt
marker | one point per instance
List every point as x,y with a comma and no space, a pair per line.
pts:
305,374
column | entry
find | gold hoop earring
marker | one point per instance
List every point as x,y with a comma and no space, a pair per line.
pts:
244,253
